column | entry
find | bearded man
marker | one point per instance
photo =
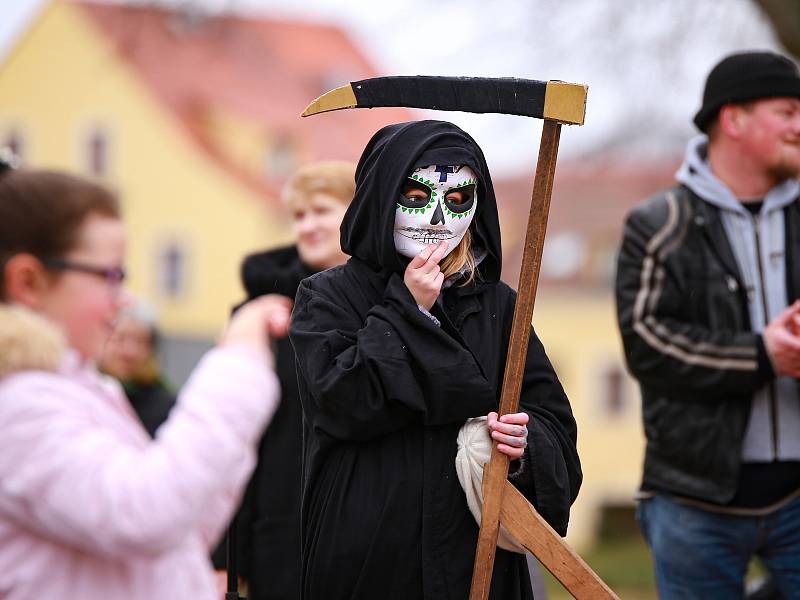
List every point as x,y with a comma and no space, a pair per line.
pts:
707,285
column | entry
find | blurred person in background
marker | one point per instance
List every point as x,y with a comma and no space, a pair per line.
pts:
708,281
131,356
268,522
90,506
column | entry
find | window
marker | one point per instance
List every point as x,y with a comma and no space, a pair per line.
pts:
96,153
614,385
172,269
564,255
15,143
280,158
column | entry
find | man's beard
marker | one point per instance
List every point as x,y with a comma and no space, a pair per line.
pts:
784,170
787,166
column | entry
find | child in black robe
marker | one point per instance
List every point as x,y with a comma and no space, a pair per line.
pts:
395,351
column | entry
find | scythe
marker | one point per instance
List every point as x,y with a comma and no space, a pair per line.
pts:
557,103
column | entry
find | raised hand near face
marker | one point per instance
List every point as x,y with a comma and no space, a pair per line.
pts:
423,277
259,320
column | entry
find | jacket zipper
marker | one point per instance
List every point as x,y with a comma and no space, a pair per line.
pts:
741,288
772,399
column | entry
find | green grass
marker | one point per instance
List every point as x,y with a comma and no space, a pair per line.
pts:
625,565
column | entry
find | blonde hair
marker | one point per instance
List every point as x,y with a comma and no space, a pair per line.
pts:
335,178
460,258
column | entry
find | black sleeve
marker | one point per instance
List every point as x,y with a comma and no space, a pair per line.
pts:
368,375
243,522
664,347
549,474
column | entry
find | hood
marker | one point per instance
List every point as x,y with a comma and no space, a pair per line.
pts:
367,231
696,174
277,271
29,341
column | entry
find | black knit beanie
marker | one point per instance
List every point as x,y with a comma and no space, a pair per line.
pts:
747,76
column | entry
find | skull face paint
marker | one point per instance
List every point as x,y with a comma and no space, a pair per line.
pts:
436,203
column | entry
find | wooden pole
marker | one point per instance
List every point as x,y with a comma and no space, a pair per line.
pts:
532,531
495,474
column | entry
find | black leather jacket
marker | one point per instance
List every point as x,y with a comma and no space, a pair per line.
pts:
685,326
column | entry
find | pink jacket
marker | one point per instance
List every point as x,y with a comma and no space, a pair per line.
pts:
90,507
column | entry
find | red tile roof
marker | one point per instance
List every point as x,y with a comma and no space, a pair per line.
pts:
589,200
264,70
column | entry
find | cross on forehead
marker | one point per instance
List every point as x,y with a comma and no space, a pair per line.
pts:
443,171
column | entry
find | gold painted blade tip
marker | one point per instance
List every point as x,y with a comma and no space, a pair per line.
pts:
337,99
565,102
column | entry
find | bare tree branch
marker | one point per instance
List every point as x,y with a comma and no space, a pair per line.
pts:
785,18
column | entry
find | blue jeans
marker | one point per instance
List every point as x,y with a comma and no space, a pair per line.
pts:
704,555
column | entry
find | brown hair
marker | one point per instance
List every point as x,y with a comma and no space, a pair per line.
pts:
333,177
41,212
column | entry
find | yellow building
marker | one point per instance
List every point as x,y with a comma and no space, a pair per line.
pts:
580,334
194,120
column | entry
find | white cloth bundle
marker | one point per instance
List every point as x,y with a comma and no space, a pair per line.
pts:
474,451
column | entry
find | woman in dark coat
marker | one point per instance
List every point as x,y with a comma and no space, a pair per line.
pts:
388,372
268,521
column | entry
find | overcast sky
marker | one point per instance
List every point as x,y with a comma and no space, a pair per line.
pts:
644,60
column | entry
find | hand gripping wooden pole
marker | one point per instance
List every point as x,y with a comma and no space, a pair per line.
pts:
502,502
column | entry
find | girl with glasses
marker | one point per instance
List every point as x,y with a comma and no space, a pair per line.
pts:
90,505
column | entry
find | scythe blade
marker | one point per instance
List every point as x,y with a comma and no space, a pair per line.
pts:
553,100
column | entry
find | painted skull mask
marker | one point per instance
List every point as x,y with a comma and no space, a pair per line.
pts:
436,203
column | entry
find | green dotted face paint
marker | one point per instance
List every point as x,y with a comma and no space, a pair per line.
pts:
436,203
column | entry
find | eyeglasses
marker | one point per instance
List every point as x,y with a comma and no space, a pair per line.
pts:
114,276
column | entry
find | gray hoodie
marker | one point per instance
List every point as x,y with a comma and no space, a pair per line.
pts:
758,243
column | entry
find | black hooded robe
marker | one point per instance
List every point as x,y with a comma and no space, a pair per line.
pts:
385,390
268,519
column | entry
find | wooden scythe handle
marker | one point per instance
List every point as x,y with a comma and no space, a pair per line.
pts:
495,473
532,531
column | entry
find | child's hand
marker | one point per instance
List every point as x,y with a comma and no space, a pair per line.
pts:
510,432
423,278
258,320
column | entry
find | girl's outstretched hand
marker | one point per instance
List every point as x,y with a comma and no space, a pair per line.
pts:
260,319
423,277
510,432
